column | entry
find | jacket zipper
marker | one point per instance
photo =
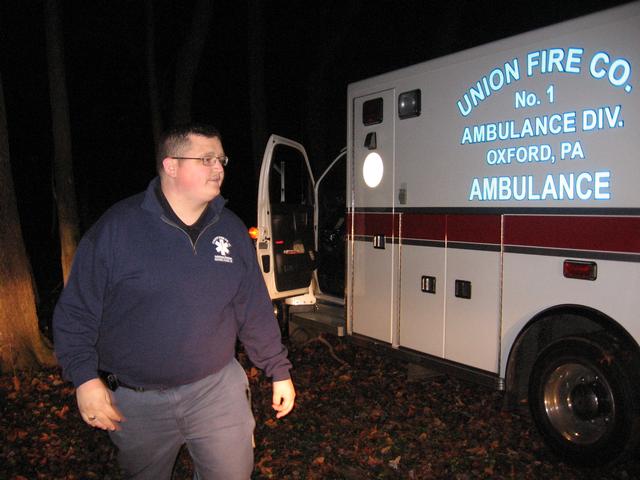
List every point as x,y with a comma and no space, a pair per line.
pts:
193,245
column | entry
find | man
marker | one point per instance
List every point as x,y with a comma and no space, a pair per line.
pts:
161,287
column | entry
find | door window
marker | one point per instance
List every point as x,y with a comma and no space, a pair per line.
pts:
291,202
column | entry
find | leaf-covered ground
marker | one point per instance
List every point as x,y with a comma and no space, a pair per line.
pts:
373,417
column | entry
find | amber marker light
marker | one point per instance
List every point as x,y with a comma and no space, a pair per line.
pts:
253,233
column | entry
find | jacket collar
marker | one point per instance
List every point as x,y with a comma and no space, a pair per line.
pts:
150,201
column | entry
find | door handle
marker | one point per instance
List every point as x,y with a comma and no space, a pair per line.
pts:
428,284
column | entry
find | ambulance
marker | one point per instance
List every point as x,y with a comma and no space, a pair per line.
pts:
487,224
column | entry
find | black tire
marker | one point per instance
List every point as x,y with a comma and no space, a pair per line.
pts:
281,312
582,398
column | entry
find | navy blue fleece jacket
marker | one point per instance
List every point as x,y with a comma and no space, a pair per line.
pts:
145,302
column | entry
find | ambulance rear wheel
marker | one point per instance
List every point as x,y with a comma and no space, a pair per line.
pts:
583,403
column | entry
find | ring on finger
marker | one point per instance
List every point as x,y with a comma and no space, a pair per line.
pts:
92,418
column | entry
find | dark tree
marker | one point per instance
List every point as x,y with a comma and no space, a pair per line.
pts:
189,59
152,73
257,97
64,192
317,102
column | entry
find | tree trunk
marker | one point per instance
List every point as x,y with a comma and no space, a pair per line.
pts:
188,60
64,193
257,97
22,346
152,75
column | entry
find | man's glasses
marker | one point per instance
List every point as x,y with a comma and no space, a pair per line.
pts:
207,161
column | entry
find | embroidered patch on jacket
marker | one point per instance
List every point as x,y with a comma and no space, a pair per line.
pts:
223,247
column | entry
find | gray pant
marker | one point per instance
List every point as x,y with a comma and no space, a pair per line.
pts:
212,416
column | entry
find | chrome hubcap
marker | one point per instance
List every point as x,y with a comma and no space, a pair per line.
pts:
579,403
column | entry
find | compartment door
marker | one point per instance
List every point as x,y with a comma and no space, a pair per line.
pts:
285,244
423,282
472,322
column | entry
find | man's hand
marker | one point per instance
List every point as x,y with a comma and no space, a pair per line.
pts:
96,406
283,397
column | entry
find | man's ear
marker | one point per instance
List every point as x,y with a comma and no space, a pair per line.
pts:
170,166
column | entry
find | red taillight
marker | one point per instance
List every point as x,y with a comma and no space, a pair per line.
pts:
253,233
580,270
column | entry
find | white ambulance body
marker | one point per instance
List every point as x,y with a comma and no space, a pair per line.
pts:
493,223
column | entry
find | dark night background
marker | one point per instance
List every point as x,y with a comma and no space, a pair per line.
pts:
104,47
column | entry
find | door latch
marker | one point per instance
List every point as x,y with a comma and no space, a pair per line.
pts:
428,284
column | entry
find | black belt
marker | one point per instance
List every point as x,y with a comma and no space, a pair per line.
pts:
113,382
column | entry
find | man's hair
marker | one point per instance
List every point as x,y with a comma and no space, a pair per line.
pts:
175,140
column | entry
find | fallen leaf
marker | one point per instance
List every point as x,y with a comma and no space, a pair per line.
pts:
438,423
395,463
376,413
62,413
477,451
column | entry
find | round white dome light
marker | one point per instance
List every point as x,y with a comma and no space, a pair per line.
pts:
372,170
